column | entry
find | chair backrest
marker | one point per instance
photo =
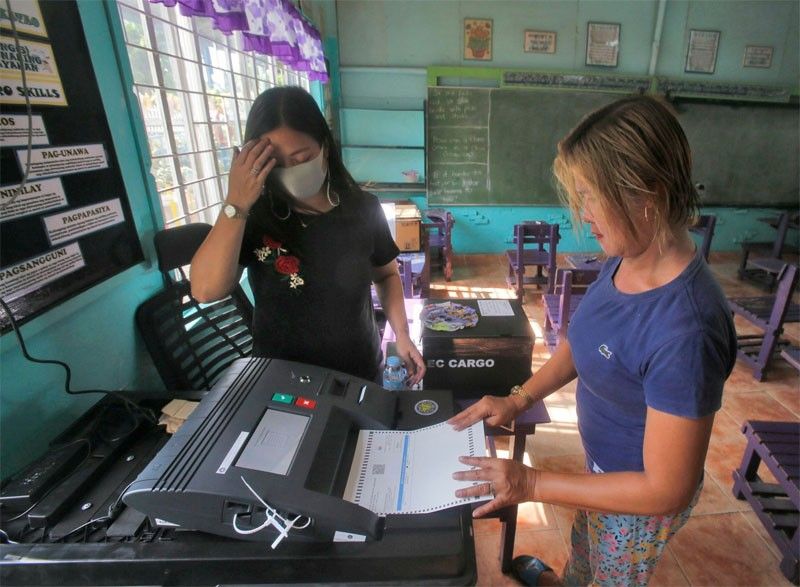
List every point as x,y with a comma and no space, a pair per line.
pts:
545,237
416,284
576,280
191,343
784,220
440,226
705,227
569,284
787,282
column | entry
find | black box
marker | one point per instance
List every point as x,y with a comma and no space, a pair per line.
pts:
488,358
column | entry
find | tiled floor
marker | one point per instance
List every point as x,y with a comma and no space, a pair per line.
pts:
723,543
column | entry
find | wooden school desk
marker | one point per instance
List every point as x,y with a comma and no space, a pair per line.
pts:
517,432
591,261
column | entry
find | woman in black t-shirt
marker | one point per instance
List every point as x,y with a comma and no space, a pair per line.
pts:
313,243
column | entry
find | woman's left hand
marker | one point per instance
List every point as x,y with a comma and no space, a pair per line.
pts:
411,357
509,482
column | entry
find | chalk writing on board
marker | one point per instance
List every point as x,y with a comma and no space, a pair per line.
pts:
566,80
459,145
716,90
458,179
458,106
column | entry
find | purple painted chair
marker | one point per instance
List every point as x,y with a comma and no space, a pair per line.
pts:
560,305
536,243
704,227
440,236
415,271
792,356
777,445
775,249
769,313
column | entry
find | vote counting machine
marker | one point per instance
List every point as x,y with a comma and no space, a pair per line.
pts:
264,458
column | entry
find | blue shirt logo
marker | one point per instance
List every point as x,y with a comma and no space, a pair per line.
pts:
604,350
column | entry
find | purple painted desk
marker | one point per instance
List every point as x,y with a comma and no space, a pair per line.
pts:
522,426
769,264
591,261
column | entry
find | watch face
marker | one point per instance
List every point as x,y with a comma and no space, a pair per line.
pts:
229,210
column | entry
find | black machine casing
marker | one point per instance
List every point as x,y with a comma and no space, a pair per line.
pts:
195,482
490,357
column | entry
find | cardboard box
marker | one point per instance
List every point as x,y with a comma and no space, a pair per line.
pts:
404,222
488,358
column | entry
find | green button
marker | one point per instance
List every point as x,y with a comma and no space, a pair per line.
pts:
283,398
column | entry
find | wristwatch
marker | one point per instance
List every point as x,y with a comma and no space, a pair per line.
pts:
232,211
519,390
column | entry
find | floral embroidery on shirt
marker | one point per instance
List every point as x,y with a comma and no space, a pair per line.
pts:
274,253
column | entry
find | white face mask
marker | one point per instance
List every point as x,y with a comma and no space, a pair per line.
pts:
305,179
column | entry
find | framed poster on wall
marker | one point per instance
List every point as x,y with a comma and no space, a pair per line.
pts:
65,219
757,56
478,39
602,43
701,54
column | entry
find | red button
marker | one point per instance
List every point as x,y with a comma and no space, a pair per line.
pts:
306,403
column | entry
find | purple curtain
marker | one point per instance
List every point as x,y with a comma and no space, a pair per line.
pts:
272,27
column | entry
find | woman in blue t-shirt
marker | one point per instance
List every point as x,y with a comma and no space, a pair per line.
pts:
651,345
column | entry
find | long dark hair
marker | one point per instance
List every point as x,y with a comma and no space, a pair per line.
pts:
295,108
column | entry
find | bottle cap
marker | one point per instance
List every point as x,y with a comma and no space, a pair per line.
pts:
393,361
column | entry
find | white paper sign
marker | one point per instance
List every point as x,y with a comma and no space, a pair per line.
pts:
17,280
41,74
34,197
495,308
63,160
27,17
72,224
14,130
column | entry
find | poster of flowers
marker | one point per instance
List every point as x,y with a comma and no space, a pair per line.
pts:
478,39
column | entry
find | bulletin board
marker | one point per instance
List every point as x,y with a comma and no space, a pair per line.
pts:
69,225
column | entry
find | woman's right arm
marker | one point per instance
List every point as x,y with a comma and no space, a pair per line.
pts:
215,266
497,411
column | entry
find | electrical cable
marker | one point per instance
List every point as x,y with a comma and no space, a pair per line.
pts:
18,49
146,413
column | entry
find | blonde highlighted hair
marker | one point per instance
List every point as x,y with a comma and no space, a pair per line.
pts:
634,153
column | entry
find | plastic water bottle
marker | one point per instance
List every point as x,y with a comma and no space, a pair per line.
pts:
394,374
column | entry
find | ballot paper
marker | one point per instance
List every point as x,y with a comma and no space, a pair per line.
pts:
411,471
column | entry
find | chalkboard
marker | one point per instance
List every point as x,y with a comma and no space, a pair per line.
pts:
744,154
496,146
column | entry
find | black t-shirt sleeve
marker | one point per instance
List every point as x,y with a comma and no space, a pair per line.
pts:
384,248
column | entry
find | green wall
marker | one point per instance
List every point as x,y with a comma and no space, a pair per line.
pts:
93,332
386,46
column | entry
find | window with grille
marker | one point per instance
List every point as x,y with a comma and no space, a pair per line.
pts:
195,86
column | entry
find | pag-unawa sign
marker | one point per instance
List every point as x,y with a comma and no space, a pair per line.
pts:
65,220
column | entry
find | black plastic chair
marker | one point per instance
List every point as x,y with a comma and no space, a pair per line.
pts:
191,343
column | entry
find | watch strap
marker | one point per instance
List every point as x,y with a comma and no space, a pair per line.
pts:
520,391
237,212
